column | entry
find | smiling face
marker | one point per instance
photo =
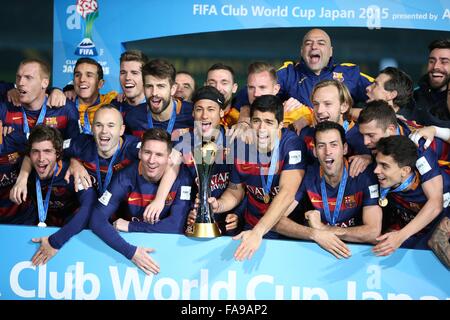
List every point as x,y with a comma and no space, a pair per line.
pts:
207,114
107,129
330,152
327,105
86,82
439,68
388,172
158,93
31,84
154,156
43,157
316,50
131,80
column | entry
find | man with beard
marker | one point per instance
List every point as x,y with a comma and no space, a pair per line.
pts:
162,109
431,105
268,172
343,208
378,120
221,77
316,64
393,86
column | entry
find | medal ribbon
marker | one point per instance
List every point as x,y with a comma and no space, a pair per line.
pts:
273,164
43,205
173,117
340,196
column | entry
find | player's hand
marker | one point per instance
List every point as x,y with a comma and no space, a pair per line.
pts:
44,253
331,243
70,94
428,133
57,98
152,211
388,243
231,221
250,242
13,97
144,261
19,191
358,164
81,178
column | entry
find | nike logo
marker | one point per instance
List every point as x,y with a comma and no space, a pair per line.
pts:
16,118
134,199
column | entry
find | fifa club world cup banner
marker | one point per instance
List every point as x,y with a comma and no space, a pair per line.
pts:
86,268
100,29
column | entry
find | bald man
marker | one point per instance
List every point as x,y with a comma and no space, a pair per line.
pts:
316,63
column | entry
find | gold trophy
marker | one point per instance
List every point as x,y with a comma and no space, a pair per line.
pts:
204,226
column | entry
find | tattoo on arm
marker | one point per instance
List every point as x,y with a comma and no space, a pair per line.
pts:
439,242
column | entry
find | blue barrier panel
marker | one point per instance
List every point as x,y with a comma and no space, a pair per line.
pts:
100,28
192,269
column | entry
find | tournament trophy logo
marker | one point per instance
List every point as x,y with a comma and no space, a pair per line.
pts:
204,226
88,10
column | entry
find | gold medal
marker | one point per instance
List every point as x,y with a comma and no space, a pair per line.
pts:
266,198
383,202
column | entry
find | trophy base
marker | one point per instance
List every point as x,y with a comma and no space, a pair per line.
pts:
203,230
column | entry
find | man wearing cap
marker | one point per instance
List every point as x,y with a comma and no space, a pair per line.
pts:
209,105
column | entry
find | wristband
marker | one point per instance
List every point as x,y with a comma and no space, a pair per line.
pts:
443,133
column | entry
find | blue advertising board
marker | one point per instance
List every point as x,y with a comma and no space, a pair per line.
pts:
86,268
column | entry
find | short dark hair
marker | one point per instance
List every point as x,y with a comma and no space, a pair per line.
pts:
268,103
401,82
400,148
161,69
380,111
134,55
439,44
92,62
157,134
221,66
330,125
209,93
41,133
45,67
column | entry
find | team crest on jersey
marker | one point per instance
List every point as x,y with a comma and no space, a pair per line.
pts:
339,76
51,122
13,157
169,198
350,201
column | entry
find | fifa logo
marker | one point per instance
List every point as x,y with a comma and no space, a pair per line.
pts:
88,10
